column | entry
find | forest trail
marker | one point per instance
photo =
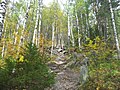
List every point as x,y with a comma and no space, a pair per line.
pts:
66,78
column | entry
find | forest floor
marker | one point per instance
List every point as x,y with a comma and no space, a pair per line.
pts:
66,78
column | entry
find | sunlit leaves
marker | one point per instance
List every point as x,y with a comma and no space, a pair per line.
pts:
2,64
103,68
80,6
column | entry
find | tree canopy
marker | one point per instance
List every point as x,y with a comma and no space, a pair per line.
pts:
31,33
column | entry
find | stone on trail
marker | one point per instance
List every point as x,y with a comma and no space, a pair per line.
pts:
66,78
59,62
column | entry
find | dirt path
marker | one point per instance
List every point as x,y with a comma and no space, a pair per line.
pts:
66,79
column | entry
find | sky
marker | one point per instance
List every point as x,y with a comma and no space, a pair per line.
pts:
46,2
61,2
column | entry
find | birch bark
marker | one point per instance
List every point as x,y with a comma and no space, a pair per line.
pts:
2,15
40,19
21,42
53,36
71,30
17,27
68,21
4,44
35,30
24,26
68,29
78,28
114,29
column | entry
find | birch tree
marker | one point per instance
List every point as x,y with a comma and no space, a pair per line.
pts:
22,37
3,8
68,31
2,15
17,27
114,29
53,37
35,30
78,29
24,24
70,23
71,31
40,19
4,44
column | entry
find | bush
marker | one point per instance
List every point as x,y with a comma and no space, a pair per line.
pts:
104,70
29,71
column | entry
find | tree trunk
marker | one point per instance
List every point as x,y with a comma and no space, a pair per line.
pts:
78,28
71,31
2,15
105,28
16,33
4,45
35,30
22,37
68,30
40,19
17,27
24,26
53,36
114,29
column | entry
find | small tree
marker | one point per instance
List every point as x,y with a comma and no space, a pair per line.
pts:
28,72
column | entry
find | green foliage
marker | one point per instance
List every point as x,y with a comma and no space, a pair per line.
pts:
105,77
103,68
98,49
6,73
29,71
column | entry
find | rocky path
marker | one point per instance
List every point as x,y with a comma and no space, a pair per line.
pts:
66,79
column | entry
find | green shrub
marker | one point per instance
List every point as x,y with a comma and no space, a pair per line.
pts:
29,71
104,70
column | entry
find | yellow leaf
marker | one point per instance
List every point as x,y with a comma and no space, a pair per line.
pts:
21,58
98,88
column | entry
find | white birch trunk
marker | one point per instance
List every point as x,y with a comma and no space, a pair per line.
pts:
59,39
21,42
114,29
87,26
56,44
2,15
3,50
78,28
17,27
68,30
68,25
62,39
35,30
53,37
62,42
4,44
16,33
24,26
71,30
40,19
